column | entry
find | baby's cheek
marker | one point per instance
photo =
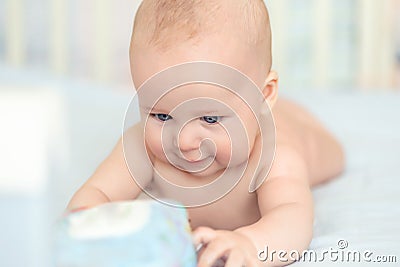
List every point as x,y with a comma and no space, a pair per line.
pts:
224,151
153,142
223,159
233,152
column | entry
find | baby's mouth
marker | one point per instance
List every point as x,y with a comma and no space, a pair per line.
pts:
192,158
195,160
192,165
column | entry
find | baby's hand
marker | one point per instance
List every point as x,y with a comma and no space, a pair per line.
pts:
232,247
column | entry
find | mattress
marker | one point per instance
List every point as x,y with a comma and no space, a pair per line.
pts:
358,213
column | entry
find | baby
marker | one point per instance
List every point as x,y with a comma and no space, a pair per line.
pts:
193,145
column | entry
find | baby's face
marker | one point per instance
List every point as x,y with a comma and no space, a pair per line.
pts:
192,126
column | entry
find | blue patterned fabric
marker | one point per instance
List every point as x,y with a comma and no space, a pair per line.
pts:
102,237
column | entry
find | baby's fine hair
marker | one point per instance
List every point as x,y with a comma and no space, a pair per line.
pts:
162,23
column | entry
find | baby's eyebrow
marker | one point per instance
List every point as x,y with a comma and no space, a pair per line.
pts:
145,108
152,109
201,112
210,112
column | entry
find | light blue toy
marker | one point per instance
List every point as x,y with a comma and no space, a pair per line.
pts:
125,234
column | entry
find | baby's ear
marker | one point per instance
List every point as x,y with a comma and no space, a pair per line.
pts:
270,88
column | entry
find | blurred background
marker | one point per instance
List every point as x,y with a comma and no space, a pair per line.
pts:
317,44
65,85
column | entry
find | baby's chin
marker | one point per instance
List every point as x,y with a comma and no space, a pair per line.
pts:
206,175
210,173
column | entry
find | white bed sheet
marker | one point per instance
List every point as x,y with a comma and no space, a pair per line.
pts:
362,206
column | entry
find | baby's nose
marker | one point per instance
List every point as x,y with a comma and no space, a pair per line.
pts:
189,140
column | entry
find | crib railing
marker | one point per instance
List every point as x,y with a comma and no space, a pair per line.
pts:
363,34
317,43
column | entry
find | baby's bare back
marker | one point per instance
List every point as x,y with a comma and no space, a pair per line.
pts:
299,129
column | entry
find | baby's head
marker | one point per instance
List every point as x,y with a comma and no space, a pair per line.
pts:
235,33
232,32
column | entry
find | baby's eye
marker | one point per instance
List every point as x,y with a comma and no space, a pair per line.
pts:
162,117
211,119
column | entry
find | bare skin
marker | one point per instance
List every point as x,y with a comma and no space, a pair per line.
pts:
279,214
316,153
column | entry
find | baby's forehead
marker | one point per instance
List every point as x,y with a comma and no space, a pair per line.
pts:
201,94
164,23
199,99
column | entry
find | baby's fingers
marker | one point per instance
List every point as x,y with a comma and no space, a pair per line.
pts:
202,236
235,259
213,252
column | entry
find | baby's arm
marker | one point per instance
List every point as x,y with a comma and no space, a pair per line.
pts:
286,209
112,180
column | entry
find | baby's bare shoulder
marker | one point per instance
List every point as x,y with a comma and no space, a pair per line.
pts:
287,181
138,161
127,168
288,161
302,136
